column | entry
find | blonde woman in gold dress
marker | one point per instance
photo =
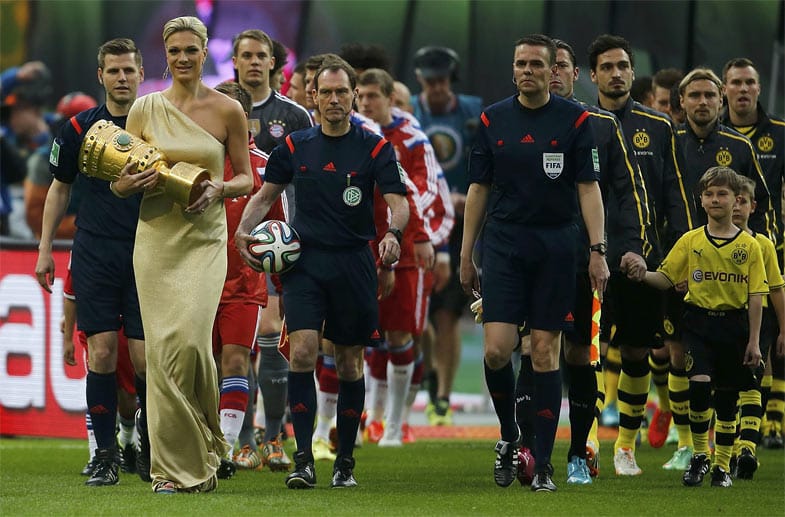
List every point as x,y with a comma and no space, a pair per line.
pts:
180,262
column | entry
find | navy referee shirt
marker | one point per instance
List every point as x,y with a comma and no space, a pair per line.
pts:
532,159
100,212
334,181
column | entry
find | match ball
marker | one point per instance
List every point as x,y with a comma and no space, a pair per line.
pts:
276,245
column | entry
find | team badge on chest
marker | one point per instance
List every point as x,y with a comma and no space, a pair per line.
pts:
352,196
552,164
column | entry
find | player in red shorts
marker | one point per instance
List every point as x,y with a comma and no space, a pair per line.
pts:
403,311
245,292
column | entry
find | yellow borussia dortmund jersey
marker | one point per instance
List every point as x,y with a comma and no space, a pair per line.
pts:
721,273
770,264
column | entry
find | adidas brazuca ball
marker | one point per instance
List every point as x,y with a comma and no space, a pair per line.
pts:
276,245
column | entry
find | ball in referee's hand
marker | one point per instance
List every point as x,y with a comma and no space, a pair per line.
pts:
276,245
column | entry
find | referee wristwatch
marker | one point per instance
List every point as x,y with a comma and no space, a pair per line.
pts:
600,248
398,234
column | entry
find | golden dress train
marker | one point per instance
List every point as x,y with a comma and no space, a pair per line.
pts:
180,266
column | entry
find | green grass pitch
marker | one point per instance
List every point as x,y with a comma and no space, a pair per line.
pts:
451,477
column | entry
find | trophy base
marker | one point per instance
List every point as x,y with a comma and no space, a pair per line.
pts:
183,183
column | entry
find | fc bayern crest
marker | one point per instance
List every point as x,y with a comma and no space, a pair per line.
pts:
276,130
552,164
352,196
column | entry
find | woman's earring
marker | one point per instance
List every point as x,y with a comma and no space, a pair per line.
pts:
166,72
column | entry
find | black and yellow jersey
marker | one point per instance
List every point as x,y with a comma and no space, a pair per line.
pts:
651,138
721,274
768,139
728,148
770,264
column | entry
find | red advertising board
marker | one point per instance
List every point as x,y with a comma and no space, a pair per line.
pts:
40,395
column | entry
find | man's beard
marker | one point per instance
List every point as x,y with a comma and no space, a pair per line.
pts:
615,94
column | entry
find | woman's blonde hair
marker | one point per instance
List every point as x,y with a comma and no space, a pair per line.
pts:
186,23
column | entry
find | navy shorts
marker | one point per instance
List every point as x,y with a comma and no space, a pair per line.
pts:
452,298
334,290
104,284
528,275
637,312
580,335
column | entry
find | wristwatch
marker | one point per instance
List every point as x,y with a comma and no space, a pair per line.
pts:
398,234
600,248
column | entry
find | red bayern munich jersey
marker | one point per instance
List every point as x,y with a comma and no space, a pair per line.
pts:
243,284
414,232
415,153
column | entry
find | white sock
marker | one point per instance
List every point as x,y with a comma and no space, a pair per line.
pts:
92,445
410,398
378,399
399,377
231,424
327,404
126,434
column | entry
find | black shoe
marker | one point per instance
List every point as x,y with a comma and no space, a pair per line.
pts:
734,466
226,469
105,472
720,478
505,468
747,464
699,467
773,440
543,481
89,467
143,456
128,459
343,473
304,475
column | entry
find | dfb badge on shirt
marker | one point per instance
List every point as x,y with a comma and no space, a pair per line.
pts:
552,164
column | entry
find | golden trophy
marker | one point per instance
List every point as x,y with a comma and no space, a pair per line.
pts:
107,148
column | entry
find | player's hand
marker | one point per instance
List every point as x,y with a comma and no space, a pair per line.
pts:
681,287
213,190
634,266
68,350
752,355
389,249
441,273
45,270
386,282
598,273
131,182
424,255
469,279
241,242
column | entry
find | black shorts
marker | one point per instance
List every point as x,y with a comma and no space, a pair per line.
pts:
580,335
452,298
529,276
714,344
636,311
104,284
334,290
674,312
769,330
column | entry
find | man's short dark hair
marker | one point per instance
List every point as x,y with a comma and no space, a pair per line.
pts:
737,62
334,63
668,78
641,88
539,40
561,44
364,56
118,47
607,42
280,54
238,93
315,62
